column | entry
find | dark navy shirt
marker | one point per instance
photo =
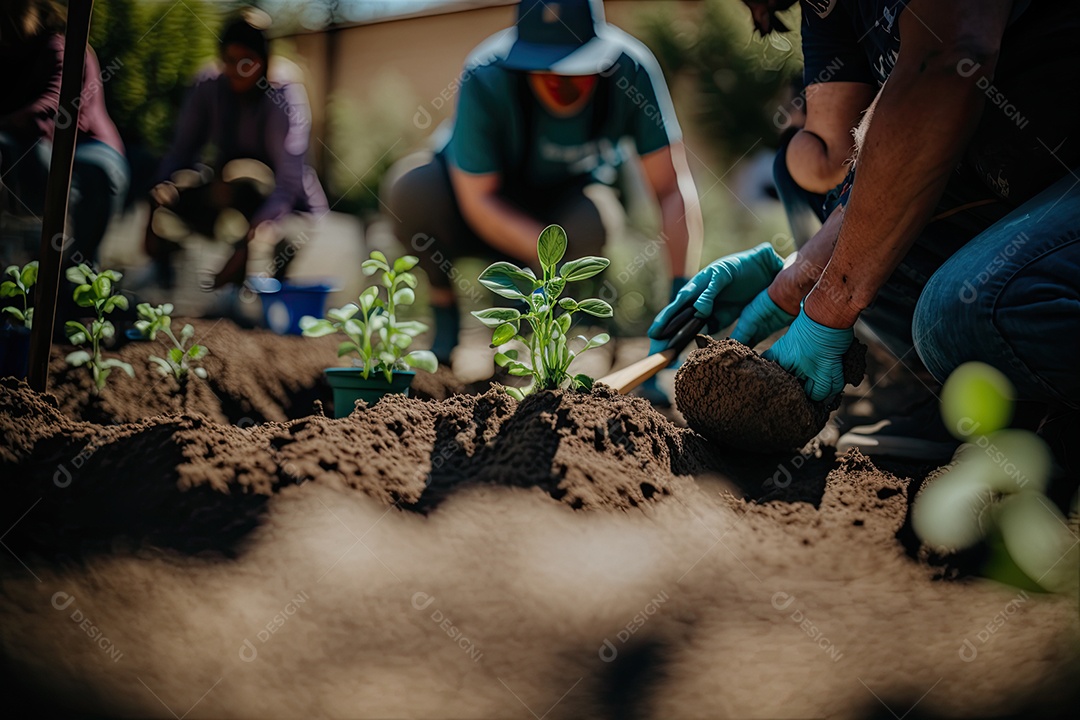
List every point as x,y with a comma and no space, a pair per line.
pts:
1028,133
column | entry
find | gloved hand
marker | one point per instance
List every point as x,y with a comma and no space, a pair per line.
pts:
761,318
721,290
814,354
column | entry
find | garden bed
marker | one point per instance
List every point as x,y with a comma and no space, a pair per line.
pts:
575,554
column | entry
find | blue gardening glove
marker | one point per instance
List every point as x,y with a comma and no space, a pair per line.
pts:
814,354
761,318
721,290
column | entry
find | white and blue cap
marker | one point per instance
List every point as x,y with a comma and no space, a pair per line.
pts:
565,37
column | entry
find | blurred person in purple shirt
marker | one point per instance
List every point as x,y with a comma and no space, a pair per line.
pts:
243,116
32,51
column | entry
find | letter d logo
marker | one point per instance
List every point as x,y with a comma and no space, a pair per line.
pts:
608,652
781,600
422,118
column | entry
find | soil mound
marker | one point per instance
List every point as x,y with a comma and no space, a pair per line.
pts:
184,481
735,397
254,376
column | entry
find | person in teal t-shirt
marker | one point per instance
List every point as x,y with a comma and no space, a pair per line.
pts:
542,110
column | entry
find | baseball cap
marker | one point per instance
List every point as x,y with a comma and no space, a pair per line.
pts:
566,37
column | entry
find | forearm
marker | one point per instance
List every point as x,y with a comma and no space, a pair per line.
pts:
917,134
682,230
813,165
805,267
504,227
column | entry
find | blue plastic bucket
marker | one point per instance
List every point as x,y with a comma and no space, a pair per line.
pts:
285,303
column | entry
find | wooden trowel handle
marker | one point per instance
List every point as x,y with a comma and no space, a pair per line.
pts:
631,376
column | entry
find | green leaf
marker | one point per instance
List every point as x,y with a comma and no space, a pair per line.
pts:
408,280
102,287
176,355
568,304
405,263
412,328
16,313
378,255
163,366
422,360
502,359
76,332
76,275
77,358
519,370
186,334
119,301
107,329
343,313
347,347
583,381
145,310
596,341
503,334
197,352
400,340
117,363
354,328
583,268
30,273
404,296
112,275
508,280
165,309
313,327
387,280
84,296
495,317
13,271
145,328
551,246
515,393
595,306
370,267
563,323
9,289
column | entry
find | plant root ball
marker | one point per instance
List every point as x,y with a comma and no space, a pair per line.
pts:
734,397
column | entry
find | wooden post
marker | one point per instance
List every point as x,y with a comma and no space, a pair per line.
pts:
54,221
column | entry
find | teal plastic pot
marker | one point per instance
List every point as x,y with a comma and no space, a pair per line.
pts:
349,385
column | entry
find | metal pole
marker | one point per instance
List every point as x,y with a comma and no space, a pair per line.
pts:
54,221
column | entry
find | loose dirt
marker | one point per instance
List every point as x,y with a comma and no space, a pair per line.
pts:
574,555
735,397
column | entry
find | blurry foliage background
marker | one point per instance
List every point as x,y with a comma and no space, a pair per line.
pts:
155,49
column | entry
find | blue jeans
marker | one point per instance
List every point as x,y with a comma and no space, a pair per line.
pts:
99,183
1011,298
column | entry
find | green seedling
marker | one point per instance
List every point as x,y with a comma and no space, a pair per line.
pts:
22,279
375,335
550,355
180,360
95,290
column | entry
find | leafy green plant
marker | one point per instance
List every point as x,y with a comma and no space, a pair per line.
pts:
180,359
549,343
95,290
22,279
375,334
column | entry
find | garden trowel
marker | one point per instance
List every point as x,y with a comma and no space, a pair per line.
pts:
631,376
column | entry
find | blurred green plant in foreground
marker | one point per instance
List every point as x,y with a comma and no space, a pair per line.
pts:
995,489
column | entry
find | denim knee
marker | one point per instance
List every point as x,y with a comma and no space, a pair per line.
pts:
944,315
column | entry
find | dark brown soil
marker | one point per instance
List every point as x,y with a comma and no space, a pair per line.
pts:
574,555
735,397
254,376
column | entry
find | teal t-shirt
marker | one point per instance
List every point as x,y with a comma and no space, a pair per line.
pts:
490,122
